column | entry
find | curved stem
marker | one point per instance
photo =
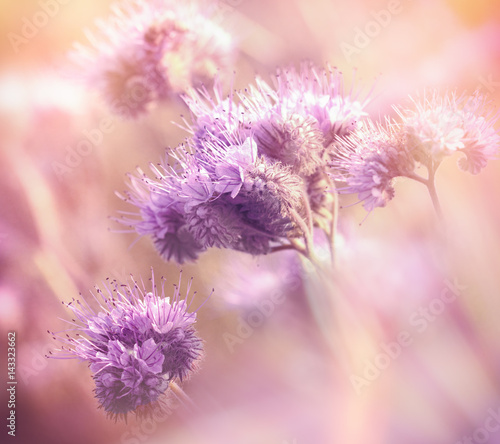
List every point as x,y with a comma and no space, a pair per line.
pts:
334,224
307,207
431,186
282,248
305,229
298,246
417,178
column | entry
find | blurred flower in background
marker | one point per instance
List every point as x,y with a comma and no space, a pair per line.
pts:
147,51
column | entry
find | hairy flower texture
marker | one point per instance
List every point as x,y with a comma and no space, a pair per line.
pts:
162,206
216,117
481,139
216,224
439,126
148,50
305,109
136,342
317,93
257,193
277,180
224,196
292,123
253,158
251,180
269,200
295,140
368,161
227,163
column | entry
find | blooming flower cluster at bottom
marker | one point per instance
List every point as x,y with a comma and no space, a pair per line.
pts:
136,344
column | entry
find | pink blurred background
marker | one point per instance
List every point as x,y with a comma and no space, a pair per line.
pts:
288,381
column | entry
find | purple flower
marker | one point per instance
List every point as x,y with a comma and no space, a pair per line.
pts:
293,122
254,195
231,164
253,158
283,111
147,51
369,160
128,378
216,224
239,200
269,194
311,92
217,118
162,204
136,342
294,140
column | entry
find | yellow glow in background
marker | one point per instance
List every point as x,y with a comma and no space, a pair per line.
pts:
284,383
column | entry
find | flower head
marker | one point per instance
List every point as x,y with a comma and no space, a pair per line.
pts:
368,161
270,194
162,204
216,224
306,106
127,379
216,117
136,343
319,93
440,126
294,140
481,139
147,51
225,196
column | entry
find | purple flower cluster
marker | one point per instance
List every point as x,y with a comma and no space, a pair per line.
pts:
136,343
147,51
254,172
369,160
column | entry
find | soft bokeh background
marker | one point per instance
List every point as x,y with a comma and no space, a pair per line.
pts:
287,381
